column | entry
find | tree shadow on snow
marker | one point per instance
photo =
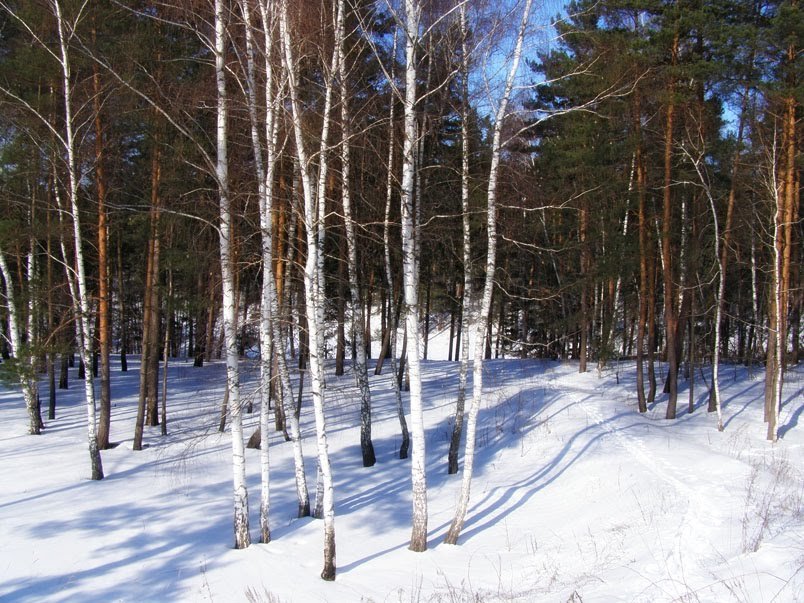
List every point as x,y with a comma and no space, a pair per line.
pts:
157,553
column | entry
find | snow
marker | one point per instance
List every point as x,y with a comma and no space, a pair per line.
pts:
576,497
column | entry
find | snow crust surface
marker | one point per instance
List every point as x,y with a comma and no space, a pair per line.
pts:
576,496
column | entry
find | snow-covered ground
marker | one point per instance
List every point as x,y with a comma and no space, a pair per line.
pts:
576,497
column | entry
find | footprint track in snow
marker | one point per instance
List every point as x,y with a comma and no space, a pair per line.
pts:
691,528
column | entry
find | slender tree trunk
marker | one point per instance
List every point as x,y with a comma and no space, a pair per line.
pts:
314,278
104,311
166,350
723,257
785,190
151,279
51,353
393,326
691,361
583,228
410,271
670,317
468,269
123,317
360,365
480,328
152,371
228,278
652,286
428,292
81,300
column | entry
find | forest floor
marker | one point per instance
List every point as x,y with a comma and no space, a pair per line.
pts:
576,497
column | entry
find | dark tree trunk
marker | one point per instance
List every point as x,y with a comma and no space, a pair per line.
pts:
453,310
386,351
427,296
403,357
583,343
123,307
652,334
340,345
51,378
670,316
64,372
104,307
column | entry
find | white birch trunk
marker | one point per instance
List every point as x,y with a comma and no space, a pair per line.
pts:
468,293
754,291
241,520
270,301
776,358
313,282
27,378
721,293
81,293
720,250
410,274
31,386
11,306
404,446
264,193
480,322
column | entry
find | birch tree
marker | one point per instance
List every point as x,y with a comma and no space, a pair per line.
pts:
271,339
410,277
480,323
241,520
81,291
393,327
265,200
313,275
468,301
25,361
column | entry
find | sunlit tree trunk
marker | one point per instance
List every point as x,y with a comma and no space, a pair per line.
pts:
480,322
25,370
467,297
81,293
265,192
241,520
785,191
314,279
410,277
104,312
150,297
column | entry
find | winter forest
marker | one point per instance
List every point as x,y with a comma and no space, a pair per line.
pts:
338,215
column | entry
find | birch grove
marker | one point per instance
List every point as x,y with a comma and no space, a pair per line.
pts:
281,180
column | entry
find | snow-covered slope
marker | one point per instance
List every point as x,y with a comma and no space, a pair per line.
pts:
576,497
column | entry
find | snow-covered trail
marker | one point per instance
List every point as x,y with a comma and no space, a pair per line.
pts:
692,527
698,486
